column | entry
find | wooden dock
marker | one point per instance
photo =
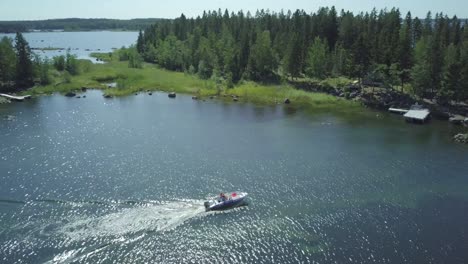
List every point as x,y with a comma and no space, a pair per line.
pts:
417,114
15,98
398,111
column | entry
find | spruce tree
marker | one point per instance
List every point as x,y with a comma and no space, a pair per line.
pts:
141,43
293,57
451,76
24,66
421,71
405,49
7,63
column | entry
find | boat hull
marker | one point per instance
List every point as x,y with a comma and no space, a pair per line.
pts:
235,200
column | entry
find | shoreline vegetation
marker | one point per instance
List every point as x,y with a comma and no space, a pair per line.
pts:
116,79
322,59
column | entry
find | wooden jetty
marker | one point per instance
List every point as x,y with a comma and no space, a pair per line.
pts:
417,114
398,111
15,98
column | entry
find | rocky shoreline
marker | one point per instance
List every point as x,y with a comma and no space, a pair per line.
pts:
383,99
375,98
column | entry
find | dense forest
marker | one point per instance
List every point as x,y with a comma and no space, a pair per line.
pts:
428,55
76,24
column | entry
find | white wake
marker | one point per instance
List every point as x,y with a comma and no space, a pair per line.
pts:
143,218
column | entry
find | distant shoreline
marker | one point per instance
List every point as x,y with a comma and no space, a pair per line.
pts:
76,24
66,31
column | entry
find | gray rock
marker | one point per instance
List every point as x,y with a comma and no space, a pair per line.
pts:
107,96
353,94
172,95
457,120
287,101
70,94
461,138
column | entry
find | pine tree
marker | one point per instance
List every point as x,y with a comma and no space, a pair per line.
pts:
435,55
428,28
341,61
421,71
263,63
292,60
417,31
451,76
24,66
405,49
7,63
361,57
141,43
71,64
462,93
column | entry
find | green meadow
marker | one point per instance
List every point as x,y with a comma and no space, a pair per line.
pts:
115,78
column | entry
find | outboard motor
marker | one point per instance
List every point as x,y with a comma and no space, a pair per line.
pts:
207,205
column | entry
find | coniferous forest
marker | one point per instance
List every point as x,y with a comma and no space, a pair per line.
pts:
424,57
428,55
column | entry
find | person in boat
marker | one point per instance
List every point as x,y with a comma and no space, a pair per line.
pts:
222,196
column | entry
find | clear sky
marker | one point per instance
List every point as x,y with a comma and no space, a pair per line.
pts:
125,9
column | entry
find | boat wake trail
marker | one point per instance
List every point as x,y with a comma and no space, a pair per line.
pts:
91,235
83,231
133,221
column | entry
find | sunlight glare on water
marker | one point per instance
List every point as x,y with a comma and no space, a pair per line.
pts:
124,180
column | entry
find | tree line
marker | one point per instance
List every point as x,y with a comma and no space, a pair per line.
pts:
76,24
379,47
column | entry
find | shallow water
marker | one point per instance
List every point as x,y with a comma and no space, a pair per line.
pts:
123,180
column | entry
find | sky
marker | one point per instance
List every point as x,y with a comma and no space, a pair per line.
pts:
127,9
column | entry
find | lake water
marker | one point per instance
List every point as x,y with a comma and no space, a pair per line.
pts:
80,44
123,180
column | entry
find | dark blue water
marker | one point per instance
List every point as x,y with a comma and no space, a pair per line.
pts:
95,180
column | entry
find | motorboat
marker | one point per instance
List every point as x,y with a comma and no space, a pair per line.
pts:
226,201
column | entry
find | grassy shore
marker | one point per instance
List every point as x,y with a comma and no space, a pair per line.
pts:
152,78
